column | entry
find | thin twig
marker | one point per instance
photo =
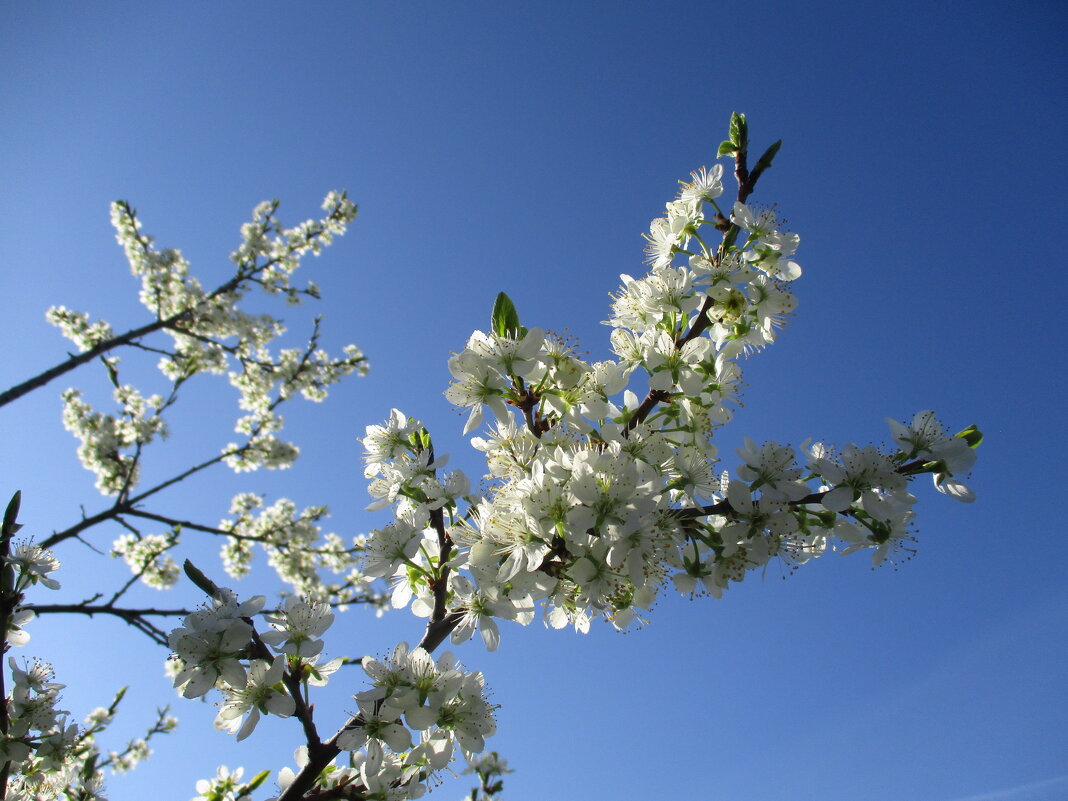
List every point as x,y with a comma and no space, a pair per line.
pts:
127,507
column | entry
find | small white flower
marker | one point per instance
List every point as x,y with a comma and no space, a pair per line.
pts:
258,693
34,563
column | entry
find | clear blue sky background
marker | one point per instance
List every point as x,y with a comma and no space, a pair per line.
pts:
494,146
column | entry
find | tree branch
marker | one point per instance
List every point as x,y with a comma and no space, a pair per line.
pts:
245,272
38,381
320,757
127,507
132,617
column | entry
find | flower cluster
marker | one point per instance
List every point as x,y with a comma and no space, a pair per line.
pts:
598,494
435,698
39,744
31,708
946,456
227,786
603,486
51,758
408,725
147,558
403,471
76,327
260,689
407,722
210,333
297,549
218,647
210,646
111,444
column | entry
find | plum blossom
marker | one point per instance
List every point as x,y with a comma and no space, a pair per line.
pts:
298,626
259,692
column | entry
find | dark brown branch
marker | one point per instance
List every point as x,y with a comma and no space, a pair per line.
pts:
741,173
343,791
133,617
105,609
221,532
646,407
440,584
175,523
82,525
437,632
40,380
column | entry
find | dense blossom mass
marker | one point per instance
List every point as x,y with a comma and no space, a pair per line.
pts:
601,495
603,489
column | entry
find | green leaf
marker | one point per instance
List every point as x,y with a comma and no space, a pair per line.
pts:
726,148
11,514
198,578
257,780
739,131
420,440
731,237
505,318
972,435
90,767
769,155
113,374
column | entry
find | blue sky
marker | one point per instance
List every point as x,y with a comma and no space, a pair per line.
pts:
494,147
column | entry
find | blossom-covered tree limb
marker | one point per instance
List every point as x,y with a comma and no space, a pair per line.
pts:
597,501
180,305
604,487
